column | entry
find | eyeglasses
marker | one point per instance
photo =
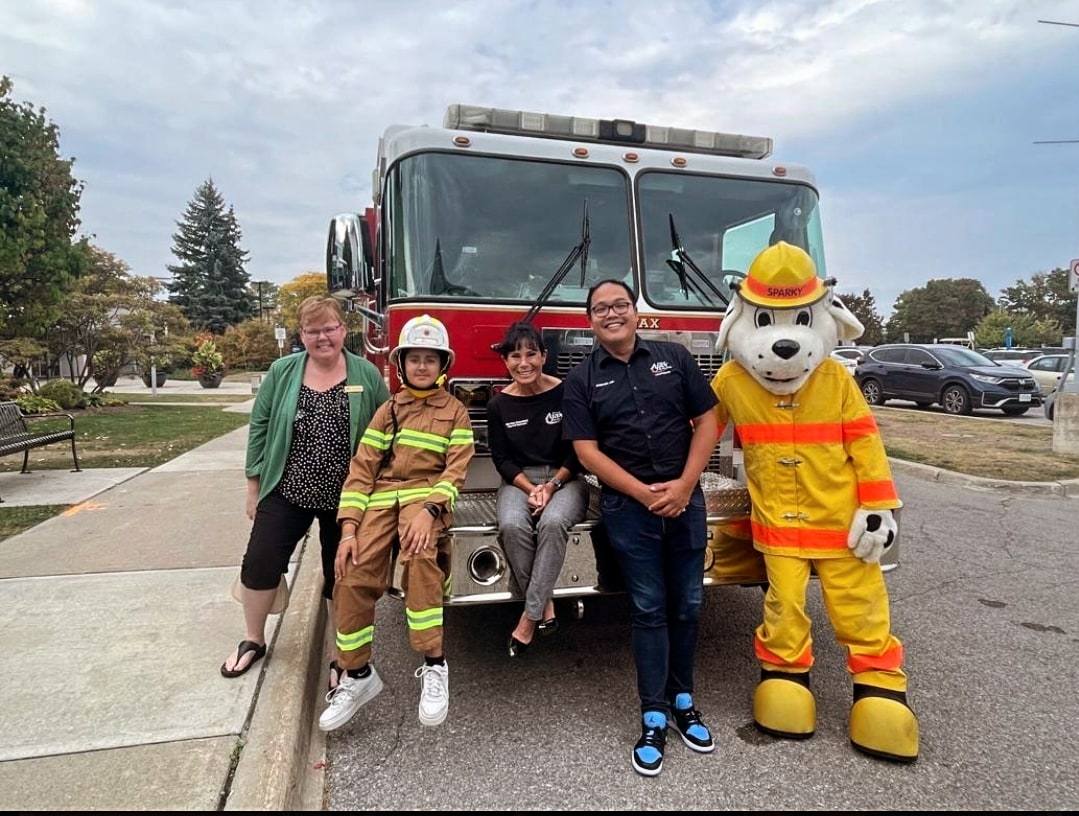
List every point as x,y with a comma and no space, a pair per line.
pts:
327,332
619,307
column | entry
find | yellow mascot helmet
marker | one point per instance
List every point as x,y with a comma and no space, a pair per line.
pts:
783,276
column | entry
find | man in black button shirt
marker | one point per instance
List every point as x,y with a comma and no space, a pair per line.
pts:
639,413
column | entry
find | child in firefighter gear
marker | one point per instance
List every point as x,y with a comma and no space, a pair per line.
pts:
402,485
822,498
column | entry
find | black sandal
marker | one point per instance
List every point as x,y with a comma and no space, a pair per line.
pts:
246,647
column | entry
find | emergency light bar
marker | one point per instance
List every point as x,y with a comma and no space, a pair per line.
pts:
612,131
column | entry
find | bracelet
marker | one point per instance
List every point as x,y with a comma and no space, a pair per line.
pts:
556,482
433,509
348,538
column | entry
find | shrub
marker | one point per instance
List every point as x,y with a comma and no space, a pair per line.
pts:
37,404
63,392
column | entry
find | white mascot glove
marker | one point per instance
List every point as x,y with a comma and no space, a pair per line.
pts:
872,532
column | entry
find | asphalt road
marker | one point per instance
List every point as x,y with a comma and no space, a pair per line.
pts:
984,601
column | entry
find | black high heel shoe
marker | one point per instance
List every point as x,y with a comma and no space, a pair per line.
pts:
547,627
516,648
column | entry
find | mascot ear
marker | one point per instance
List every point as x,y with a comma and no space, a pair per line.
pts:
848,327
734,309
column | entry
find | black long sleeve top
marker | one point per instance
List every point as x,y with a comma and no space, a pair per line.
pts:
527,431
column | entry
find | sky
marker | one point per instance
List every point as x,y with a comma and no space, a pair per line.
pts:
921,119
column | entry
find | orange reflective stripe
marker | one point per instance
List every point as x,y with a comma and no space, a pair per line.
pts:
863,426
817,433
766,656
872,492
799,538
891,660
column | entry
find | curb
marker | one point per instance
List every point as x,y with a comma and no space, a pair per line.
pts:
1068,488
272,772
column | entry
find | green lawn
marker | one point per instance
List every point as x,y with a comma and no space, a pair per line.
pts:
127,436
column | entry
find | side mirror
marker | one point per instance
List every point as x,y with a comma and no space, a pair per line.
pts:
349,266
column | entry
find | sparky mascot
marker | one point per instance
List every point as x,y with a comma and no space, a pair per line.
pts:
822,499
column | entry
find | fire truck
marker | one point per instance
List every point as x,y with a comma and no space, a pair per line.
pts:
502,215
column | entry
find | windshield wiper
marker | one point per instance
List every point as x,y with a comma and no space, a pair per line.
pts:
680,261
579,252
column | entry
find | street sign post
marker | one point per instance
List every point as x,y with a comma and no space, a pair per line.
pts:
279,333
1073,276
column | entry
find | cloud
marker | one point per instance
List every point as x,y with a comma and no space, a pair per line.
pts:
917,116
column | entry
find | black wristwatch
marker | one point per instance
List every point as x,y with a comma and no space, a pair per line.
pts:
433,509
556,482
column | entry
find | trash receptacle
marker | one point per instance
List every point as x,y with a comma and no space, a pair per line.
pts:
256,381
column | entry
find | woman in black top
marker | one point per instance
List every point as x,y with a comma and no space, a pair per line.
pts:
542,496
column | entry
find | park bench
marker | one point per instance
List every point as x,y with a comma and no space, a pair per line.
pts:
16,435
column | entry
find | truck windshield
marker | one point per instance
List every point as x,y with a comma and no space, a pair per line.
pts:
483,227
722,223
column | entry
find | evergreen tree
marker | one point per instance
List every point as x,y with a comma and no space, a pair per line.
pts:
210,284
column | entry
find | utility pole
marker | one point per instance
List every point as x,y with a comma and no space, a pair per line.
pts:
1066,409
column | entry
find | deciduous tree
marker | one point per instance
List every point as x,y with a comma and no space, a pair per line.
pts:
39,215
864,307
1045,298
947,307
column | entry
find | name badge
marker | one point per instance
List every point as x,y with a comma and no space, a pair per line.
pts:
353,389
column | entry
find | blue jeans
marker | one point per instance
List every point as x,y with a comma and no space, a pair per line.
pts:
663,563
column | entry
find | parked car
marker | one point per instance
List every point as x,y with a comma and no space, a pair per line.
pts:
958,379
1047,370
849,356
1048,405
1012,356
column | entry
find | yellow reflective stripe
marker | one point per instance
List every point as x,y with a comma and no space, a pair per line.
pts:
447,586
351,641
376,439
423,441
353,499
461,436
388,498
424,618
446,489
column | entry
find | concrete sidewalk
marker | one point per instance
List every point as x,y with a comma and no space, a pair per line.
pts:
114,620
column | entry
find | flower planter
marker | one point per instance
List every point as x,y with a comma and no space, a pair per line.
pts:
161,377
211,380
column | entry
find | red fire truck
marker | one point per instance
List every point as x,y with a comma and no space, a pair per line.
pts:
502,215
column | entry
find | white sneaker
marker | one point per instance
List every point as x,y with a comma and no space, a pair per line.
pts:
434,693
345,700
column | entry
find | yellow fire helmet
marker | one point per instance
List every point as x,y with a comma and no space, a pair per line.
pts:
782,276
423,332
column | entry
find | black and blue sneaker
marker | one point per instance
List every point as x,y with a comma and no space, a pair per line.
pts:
648,752
687,721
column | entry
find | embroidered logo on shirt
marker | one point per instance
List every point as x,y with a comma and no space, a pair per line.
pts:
517,423
554,417
661,367
603,384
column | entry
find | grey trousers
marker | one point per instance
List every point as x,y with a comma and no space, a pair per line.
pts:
535,546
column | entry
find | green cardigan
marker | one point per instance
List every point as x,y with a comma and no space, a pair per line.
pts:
270,432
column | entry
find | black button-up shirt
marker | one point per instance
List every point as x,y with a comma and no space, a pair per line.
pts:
639,412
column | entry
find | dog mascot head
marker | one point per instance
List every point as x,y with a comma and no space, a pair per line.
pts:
784,319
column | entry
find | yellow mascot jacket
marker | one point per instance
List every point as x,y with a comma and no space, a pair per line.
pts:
811,458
